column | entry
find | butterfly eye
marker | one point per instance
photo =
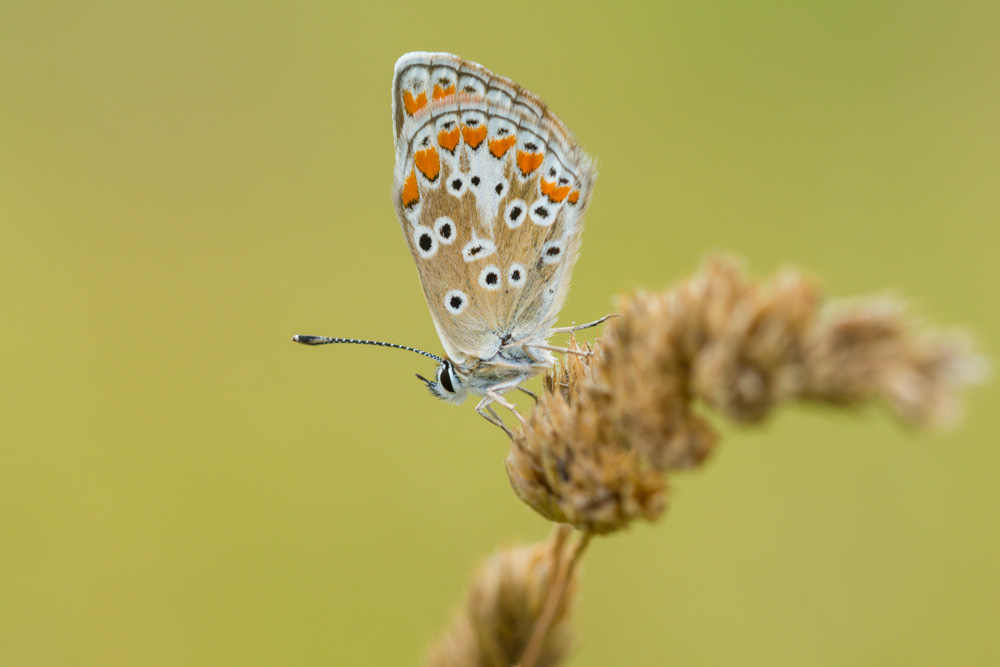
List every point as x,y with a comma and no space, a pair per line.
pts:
444,378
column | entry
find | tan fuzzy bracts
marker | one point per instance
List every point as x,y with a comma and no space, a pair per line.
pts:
505,600
594,451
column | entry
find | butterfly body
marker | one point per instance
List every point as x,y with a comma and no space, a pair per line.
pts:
507,369
490,189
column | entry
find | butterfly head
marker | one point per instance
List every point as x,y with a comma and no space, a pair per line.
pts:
447,384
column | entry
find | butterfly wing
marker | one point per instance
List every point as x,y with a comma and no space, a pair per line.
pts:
490,188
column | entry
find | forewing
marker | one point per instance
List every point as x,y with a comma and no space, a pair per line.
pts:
490,188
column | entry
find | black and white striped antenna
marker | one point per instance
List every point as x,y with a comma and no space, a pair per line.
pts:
324,340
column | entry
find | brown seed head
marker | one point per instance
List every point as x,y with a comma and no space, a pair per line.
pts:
504,601
593,451
573,464
870,349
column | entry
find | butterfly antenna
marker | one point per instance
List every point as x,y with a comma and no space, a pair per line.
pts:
323,340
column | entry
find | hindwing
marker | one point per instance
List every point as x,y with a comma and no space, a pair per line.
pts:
490,188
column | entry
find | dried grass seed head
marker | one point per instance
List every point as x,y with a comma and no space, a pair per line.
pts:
572,465
607,426
503,603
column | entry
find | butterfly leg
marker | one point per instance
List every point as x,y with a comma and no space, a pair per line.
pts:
493,417
563,350
493,413
500,400
493,396
529,393
588,325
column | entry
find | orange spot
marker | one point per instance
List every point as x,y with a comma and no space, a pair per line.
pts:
448,140
555,193
574,197
528,162
414,105
411,195
440,92
474,135
428,163
499,147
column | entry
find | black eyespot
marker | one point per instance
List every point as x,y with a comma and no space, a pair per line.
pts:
475,180
446,231
473,252
542,212
515,213
426,142
444,377
530,146
456,184
553,251
563,181
426,242
552,173
515,275
503,131
499,188
455,302
447,125
491,278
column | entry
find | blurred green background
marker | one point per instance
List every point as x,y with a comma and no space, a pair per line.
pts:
185,185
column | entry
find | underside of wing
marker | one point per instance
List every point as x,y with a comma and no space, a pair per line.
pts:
490,188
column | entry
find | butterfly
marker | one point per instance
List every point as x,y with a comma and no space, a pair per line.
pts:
490,188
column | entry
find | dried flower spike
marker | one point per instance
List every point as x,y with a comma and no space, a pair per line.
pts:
506,599
870,349
570,462
594,450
